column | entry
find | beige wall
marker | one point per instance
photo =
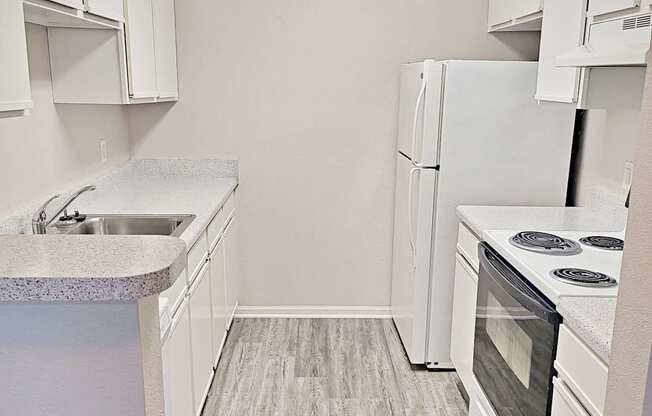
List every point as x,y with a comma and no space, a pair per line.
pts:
608,141
304,94
56,143
632,340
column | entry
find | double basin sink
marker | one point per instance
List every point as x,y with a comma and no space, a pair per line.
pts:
167,225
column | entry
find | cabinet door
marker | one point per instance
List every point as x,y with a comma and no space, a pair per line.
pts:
77,4
463,329
111,9
165,42
218,298
177,364
597,7
562,31
502,11
15,93
141,60
232,267
201,337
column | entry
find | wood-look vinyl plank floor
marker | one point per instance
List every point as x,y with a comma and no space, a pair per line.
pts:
325,367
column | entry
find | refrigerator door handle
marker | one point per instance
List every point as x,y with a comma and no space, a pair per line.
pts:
415,121
410,234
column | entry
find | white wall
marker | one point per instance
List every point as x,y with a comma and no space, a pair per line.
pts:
630,354
304,94
56,143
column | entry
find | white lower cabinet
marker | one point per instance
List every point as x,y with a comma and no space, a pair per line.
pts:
564,402
218,299
231,268
463,329
193,343
201,337
177,366
582,373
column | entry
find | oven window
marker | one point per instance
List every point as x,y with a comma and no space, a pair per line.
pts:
511,341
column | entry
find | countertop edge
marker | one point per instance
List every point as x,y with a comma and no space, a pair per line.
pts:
120,288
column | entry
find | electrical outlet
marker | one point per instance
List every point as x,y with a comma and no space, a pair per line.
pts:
628,175
104,151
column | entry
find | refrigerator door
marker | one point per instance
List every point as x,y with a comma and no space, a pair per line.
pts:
419,112
415,204
498,147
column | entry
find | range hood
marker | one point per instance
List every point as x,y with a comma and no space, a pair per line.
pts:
619,42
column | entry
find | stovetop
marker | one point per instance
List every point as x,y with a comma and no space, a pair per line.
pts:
539,268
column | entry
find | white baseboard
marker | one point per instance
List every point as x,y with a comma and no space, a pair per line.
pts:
353,312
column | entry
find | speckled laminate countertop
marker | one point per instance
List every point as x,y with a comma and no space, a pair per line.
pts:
592,319
106,268
87,268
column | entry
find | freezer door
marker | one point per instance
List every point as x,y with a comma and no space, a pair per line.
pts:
419,112
415,204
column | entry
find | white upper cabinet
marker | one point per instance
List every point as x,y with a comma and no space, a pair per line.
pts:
515,15
76,4
140,49
562,30
137,64
15,93
111,9
165,47
598,7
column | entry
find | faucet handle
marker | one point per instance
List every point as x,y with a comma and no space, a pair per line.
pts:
41,214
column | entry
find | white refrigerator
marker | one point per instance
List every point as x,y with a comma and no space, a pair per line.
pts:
470,133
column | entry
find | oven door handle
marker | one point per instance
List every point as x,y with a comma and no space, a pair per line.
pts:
515,285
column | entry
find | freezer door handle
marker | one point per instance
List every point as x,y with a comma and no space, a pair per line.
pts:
409,215
415,121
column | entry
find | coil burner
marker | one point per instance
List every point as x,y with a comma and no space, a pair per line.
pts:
604,243
582,277
539,242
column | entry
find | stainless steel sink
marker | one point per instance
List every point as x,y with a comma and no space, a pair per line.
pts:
172,225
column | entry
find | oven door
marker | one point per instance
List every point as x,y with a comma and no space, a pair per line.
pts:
516,331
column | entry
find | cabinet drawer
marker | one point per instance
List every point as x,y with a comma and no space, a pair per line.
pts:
582,371
176,292
230,205
216,228
564,402
467,245
197,257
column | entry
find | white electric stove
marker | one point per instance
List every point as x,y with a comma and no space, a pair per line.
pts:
597,270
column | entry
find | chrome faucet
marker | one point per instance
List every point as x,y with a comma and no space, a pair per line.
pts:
40,220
